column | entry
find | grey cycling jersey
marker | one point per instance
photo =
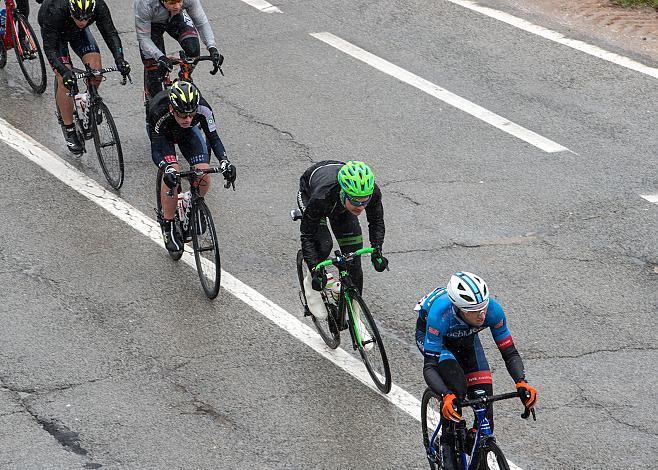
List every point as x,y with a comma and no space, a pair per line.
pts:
148,12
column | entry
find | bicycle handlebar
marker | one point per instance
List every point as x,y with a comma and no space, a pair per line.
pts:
91,73
184,60
340,258
198,172
504,396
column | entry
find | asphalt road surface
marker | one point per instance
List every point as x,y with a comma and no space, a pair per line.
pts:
111,356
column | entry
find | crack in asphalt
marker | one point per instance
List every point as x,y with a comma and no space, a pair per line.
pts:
403,195
589,353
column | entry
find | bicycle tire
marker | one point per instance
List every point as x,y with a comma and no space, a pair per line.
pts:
431,409
490,457
330,336
3,53
112,166
211,282
38,84
175,255
377,351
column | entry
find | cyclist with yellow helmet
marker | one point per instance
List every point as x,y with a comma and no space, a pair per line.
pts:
340,192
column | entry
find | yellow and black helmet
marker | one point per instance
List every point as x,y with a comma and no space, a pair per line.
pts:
184,97
82,9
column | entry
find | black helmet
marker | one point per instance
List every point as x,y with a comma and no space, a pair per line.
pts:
184,97
82,9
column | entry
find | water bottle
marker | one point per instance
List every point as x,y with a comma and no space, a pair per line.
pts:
314,299
3,21
333,287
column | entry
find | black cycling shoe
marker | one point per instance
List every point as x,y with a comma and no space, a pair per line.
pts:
72,142
171,237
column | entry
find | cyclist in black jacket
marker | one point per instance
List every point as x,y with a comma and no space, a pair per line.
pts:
65,22
340,192
181,116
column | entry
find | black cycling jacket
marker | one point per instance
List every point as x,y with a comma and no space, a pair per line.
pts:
163,123
321,198
57,25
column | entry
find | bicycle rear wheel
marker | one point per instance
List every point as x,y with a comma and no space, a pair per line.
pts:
328,329
368,341
107,143
490,457
175,255
206,248
3,53
30,61
430,418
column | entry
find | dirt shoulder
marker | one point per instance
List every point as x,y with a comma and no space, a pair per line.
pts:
624,29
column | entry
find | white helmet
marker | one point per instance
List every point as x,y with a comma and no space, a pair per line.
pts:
468,291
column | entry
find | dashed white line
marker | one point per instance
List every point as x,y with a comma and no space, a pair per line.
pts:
263,6
652,198
558,37
444,95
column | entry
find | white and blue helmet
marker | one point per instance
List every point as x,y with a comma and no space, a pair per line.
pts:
468,291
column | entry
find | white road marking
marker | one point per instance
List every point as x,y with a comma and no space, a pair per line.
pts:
444,95
263,6
558,37
652,198
125,212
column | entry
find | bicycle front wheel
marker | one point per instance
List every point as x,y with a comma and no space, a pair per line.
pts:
328,329
490,457
368,341
107,143
29,54
430,419
206,248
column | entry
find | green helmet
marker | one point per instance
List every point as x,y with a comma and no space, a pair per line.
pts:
356,179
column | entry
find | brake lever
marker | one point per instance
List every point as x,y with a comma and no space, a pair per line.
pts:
229,184
527,413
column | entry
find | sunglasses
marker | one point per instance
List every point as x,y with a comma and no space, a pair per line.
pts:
357,203
184,115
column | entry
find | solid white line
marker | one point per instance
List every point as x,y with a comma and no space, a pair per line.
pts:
116,206
558,37
652,198
263,6
444,95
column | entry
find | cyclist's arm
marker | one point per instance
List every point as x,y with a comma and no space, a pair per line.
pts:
195,10
309,229
108,30
504,341
209,126
143,28
49,38
375,216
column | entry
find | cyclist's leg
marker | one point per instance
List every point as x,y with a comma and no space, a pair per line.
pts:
478,373
163,153
347,229
193,147
182,29
85,46
152,77
323,241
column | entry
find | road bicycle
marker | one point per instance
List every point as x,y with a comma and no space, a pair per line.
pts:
347,310
93,120
194,223
19,35
457,453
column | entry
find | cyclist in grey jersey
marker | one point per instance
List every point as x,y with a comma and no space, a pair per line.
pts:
185,21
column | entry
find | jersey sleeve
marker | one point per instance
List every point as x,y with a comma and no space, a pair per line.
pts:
195,10
503,337
143,29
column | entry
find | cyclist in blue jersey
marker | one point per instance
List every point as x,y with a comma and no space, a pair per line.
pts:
449,320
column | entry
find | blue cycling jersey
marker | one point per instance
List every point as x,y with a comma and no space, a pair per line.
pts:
439,322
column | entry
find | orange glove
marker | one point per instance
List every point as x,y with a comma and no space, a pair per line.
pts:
528,394
449,408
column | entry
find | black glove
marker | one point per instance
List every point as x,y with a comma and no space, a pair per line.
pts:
164,66
379,262
229,171
319,279
68,79
123,66
170,177
217,58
